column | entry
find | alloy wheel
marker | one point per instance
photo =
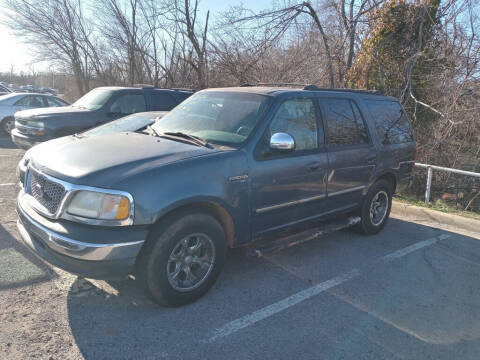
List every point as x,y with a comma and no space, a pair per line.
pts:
378,208
190,262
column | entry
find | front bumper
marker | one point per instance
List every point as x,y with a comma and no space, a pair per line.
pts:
24,141
98,259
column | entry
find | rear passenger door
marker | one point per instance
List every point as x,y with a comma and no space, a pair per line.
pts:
351,153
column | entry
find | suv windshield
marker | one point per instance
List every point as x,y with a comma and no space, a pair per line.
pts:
93,100
220,117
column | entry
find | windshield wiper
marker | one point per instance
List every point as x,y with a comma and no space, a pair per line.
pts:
192,138
153,131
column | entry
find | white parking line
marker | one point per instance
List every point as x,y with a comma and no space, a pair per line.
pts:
7,184
280,305
294,299
402,252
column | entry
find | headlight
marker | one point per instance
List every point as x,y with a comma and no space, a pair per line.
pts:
30,123
36,124
98,205
31,127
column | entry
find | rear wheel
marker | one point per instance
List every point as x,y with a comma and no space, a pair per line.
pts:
376,208
8,124
182,258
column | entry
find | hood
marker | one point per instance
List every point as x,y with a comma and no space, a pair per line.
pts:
50,111
107,159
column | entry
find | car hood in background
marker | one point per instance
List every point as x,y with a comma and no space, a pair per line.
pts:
105,160
50,111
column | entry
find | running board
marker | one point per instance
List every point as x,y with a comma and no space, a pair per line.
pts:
259,250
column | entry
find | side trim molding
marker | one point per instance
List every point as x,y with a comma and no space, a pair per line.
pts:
345,191
290,203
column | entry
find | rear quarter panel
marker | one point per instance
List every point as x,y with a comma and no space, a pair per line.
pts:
396,159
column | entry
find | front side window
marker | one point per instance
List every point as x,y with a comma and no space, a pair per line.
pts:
391,122
344,127
222,117
30,101
129,104
93,100
297,117
53,102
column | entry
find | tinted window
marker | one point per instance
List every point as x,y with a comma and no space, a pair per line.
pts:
391,122
163,101
361,128
183,95
297,117
129,104
30,101
345,127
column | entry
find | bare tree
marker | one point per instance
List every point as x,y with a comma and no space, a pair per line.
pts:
185,13
280,20
57,27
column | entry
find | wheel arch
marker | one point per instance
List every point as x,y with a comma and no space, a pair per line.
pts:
389,176
213,208
2,121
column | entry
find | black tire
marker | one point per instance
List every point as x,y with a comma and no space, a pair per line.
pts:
7,125
164,239
369,225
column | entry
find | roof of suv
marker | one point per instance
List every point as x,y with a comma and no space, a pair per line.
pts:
276,90
148,88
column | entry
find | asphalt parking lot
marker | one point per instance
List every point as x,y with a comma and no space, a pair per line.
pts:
411,292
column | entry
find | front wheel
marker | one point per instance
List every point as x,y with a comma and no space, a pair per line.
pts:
182,258
8,125
376,208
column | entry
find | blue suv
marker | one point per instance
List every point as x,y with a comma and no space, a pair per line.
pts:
96,107
255,167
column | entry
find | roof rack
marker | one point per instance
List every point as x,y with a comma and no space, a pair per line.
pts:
362,91
312,87
282,84
148,86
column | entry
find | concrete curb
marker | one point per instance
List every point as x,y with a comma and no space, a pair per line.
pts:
419,213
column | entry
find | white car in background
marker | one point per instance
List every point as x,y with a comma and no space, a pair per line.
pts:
11,103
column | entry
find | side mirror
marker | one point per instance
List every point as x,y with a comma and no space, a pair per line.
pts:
282,141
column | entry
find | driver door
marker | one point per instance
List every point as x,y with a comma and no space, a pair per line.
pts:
288,188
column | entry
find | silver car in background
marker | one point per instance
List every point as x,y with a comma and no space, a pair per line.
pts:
11,103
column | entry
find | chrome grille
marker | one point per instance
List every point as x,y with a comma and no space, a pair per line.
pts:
48,193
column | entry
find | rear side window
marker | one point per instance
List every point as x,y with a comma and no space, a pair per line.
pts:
344,122
391,123
163,101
